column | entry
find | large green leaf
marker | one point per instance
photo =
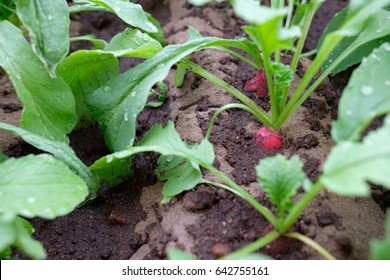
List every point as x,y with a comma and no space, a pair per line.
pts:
365,97
39,186
351,50
7,8
350,166
380,249
85,71
117,104
131,13
280,179
61,151
48,24
18,232
179,173
356,16
48,103
166,141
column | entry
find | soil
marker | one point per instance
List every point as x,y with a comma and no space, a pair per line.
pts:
128,221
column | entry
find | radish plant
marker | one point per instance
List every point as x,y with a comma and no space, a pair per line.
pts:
352,163
281,30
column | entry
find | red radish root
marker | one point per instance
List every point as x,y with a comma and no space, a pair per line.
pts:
258,84
268,139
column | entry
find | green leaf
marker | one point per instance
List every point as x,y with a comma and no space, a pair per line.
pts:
7,8
18,233
39,186
85,71
133,43
166,141
352,50
283,78
180,255
380,249
131,13
61,151
116,172
98,44
355,19
159,35
365,97
49,106
270,36
350,166
48,26
179,173
280,179
117,104
253,12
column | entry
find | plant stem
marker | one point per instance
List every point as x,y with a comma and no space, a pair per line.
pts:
239,56
300,206
290,13
312,244
219,185
302,39
222,109
258,112
296,99
245,195
271,89
253,247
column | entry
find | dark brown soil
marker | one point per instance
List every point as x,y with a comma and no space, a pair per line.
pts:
105,229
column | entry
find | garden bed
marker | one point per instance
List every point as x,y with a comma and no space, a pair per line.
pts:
128,221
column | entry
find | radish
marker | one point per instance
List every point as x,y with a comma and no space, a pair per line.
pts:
258,84
268,139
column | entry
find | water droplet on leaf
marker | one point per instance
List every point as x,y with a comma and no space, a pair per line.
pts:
169,158
348,113
367,90
126,116
31,199
107,89
50,17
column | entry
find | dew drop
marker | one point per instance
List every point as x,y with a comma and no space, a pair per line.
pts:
109,158
107,89
169,158
161,65
348,113
31,199
386,47
367,90
126,116
133,94
387,83
50,17
145,37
